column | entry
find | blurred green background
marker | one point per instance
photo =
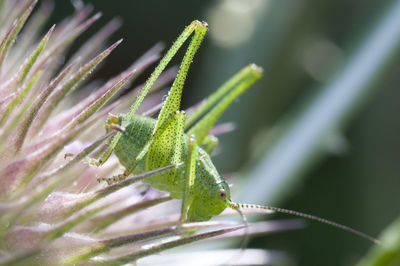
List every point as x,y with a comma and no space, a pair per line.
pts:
303,46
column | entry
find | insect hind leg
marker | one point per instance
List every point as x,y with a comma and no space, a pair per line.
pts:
190,175
219,101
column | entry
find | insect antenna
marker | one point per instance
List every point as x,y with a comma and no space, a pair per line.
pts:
238,206
245,239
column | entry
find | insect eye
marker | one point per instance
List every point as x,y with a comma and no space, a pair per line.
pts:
222,194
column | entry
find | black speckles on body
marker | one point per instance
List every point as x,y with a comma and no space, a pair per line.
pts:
206,202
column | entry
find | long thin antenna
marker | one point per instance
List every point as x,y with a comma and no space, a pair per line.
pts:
245,239
307,216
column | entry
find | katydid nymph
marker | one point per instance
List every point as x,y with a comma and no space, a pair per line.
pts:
144,144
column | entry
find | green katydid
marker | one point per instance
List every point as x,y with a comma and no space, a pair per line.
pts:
144,144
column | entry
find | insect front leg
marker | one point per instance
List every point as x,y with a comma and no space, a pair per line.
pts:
114,179
113,123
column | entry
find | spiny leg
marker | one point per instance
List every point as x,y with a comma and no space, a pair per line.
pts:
162,139
172,103
114,179
190,175
211,100
200,29
113,123
171,106
229,91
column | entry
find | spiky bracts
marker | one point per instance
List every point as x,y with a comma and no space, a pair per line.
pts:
52,209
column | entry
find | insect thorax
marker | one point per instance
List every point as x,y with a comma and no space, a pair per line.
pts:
138,133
